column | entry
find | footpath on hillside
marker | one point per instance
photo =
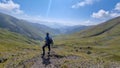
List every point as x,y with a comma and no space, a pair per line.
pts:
49,61
59,61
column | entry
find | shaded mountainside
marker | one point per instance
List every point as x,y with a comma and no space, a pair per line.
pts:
12,37
73,29
32,30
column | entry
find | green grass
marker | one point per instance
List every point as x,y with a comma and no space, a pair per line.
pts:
16,48
104,48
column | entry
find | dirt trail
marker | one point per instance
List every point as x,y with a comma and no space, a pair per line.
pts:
58,61
48,61
52,61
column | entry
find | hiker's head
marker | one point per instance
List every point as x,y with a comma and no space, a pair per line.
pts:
47,34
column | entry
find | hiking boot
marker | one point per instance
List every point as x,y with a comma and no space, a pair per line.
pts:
48,53
42,55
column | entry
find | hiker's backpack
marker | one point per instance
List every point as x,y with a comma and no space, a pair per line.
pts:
49,40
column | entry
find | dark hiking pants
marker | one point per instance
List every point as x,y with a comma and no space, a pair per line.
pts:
43,48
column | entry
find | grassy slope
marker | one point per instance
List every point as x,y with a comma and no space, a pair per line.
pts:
15,47
32,30
18,26
101,28
102,39
104,48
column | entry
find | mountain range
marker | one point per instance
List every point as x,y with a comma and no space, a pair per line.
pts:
33,30
98,44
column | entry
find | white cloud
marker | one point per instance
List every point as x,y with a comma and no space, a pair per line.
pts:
117,7
103,15
100,14
114,14
10,7
83,3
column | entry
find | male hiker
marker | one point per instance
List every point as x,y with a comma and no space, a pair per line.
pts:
48,43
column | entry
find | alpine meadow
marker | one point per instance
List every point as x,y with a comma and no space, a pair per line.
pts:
60,34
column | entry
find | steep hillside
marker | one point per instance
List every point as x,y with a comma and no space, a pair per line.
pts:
14,46
32,30
110,27
6,36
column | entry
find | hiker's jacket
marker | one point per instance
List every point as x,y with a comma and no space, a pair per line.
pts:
48,40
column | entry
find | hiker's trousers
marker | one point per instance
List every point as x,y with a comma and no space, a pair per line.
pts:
46,45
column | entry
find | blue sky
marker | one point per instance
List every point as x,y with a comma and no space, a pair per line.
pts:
65,12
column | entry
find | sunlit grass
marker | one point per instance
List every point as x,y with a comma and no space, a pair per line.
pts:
16,48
